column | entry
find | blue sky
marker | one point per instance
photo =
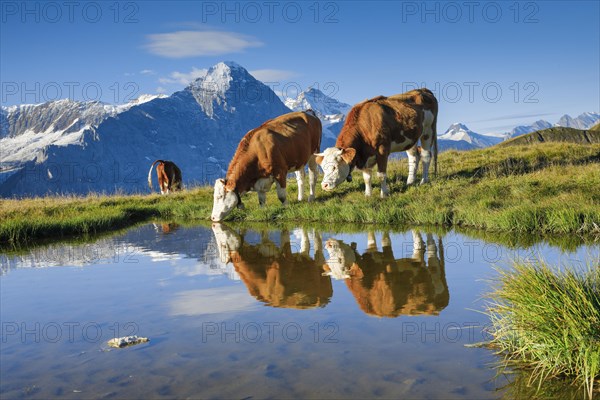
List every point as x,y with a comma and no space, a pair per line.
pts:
493,65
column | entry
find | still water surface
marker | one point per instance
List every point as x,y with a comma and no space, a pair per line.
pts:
256,313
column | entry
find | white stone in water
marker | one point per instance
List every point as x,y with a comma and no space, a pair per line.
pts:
127,341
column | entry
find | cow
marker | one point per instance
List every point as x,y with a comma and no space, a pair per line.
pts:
169,176
384,286
277,274
380,126
266,155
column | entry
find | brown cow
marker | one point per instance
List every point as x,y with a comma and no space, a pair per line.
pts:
424,98
387,287
266,155
169,176
374,129
275,274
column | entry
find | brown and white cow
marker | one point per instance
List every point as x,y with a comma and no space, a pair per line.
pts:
384,286
266,155
380,126
169,176
279,275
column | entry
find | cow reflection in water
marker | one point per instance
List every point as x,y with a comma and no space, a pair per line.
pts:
275,274
389,287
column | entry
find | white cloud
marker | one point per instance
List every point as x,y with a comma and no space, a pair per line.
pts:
213,301
183,78
272,75
147,72
183,44
161,90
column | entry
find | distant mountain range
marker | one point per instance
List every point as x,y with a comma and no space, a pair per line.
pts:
73,147
330,111
70,147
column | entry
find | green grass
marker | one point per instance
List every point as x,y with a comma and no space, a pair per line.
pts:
544,189
548,321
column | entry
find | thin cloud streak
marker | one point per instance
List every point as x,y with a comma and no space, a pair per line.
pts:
182,44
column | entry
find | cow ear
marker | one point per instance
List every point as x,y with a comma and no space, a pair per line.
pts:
229,186
348,154
319,158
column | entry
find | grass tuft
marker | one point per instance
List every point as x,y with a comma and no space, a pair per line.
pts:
548,320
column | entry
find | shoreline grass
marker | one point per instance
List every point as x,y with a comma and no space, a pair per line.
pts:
547,320
543,189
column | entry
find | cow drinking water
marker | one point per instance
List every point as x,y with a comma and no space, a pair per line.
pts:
266,155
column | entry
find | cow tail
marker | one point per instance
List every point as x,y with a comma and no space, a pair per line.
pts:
150,172
435,147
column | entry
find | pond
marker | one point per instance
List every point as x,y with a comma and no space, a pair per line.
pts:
256,312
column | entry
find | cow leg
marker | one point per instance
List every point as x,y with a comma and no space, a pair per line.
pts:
262,198
304,242
371,242
382,175
427,140
384,189
418,246
281,193
300,179
426,155
312,177
367,177
413,164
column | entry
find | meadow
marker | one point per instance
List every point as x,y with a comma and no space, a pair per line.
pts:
546,188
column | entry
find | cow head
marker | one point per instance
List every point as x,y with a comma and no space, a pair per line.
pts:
336,164
342,260
225,200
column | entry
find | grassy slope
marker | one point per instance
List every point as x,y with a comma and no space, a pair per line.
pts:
556,134
544,188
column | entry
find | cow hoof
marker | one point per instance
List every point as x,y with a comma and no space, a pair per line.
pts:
383,195
311,198
368,194
423,181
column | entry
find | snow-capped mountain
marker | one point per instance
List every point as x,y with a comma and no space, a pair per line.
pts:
524,129
73,147
29,128
583,121
464,138
330,111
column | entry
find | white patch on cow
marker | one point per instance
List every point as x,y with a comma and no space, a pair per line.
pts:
224,201
401,146
428,122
